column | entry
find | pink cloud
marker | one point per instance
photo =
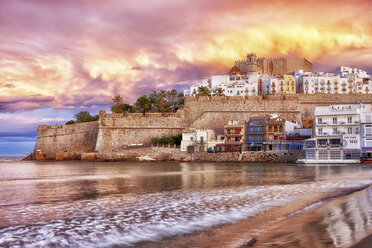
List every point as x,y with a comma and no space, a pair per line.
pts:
77,54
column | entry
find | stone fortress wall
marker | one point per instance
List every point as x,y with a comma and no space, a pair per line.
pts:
55,139
114,132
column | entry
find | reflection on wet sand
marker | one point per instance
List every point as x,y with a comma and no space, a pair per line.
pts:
181,205
336,223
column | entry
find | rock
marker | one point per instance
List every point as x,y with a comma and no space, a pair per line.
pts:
145,158
88,156
40,157
29,157
250,241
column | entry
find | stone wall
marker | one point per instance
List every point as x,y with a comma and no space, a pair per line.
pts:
174,154
114,132
117,131
55,139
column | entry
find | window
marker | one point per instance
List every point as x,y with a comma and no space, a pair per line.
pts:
335,130
350,130
191,138
349,119
368,130
334,120
320,120
320,131
322,143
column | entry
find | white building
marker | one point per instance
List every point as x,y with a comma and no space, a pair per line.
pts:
332,83
271,85
343,71
201,140
366,130
345,81
194,89
337,135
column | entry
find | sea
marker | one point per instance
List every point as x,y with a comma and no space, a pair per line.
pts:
169,204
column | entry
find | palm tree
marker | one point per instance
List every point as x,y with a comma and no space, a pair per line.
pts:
203,91
117,99
172,94
144,104
220,91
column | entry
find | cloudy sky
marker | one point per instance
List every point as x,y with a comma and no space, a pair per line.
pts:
58,57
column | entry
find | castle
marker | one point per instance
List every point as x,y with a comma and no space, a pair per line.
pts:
272,66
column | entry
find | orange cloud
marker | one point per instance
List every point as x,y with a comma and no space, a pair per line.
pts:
77,54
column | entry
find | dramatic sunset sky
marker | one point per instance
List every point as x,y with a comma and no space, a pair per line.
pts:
58,57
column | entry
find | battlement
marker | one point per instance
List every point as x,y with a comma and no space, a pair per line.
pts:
70,126
277,58
177,114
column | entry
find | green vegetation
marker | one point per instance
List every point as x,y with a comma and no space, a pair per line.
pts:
143,104
156,102
70,122
122,108
220,91
84,116
117,99
204,91
169,140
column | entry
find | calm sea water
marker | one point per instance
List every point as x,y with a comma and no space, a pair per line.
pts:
76,204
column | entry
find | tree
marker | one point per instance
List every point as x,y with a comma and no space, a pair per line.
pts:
117,99
70,122
220,91
116,109
84,116
203,91
143,104
125,107
172,95
162,101
159,102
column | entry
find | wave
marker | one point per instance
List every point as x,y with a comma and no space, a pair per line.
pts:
129,219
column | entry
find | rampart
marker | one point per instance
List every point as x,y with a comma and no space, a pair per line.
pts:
55,139
115,132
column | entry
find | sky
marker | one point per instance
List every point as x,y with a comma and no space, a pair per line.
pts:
59,57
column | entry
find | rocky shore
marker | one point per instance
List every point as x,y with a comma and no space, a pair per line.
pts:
158,154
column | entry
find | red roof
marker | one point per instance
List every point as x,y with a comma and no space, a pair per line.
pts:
235,70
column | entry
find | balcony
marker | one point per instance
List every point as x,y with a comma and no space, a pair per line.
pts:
335,146
233,134
253,141
256,123
255,132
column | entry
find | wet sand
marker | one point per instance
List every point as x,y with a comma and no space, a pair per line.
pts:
183,205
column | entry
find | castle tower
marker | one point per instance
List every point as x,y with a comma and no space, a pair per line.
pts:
251,63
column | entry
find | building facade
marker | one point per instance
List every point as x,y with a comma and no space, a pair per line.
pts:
234,132
331,83
366,131
201,140
337,135
255,133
